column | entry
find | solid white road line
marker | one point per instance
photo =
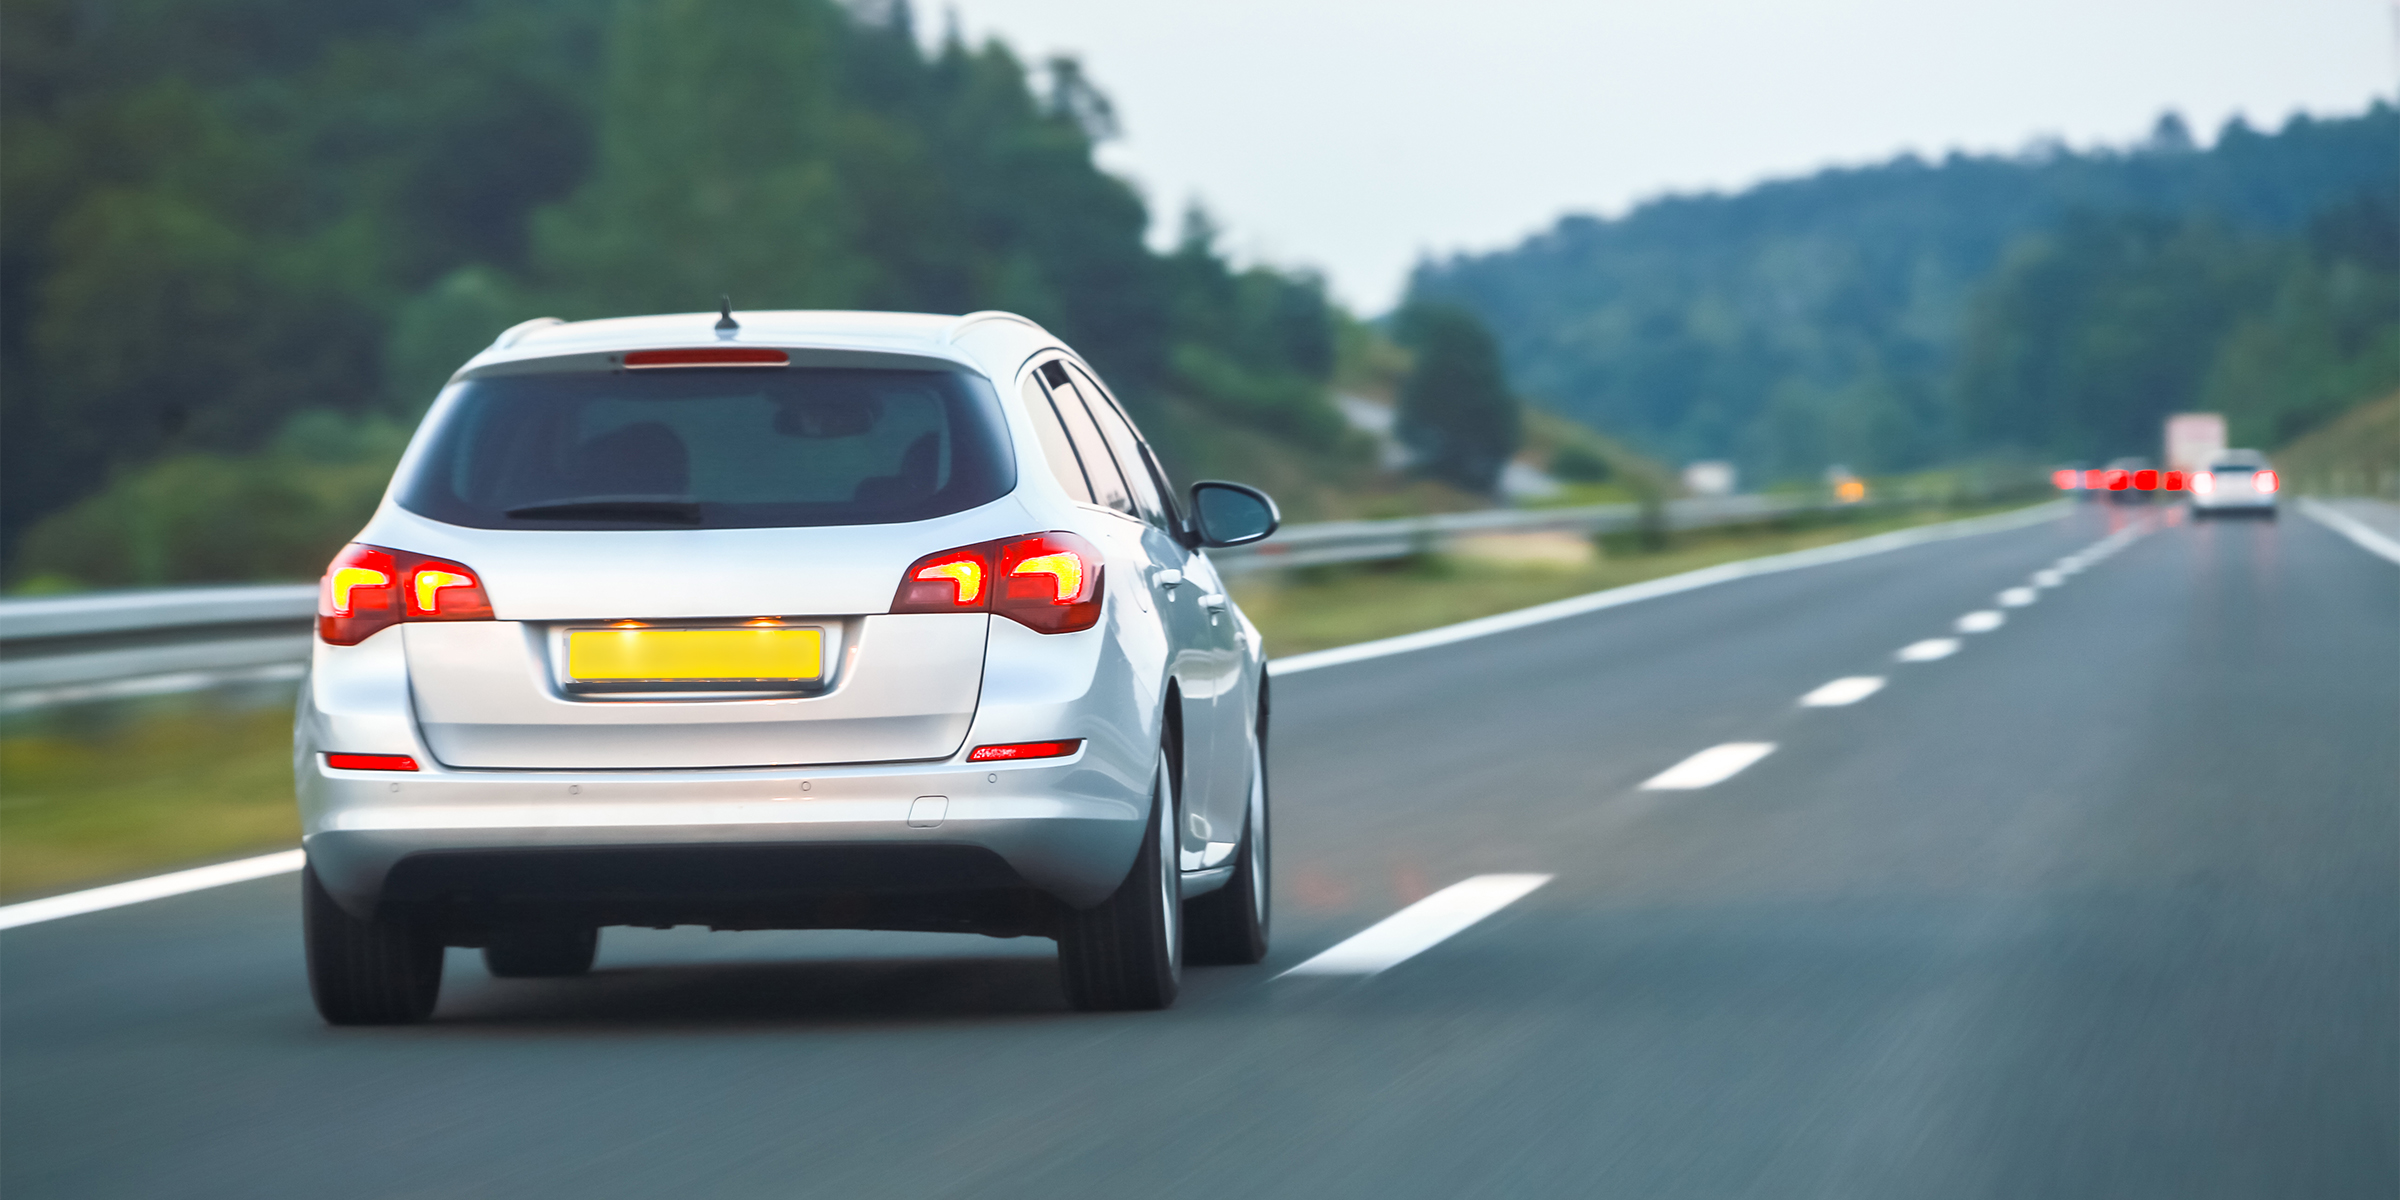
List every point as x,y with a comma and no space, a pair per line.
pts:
2018,597
157,887
1981,622
1706,576
1711,766
1849,689
1421,926
2351,527
1928,650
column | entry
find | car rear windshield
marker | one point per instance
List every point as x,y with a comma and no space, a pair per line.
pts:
714,449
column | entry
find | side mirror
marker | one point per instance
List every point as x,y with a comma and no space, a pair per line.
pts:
1231,514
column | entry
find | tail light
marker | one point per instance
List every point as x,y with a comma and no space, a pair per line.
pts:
2119,480
2065,480
2173,481
2265,483
2145,481
2094,480
2204,483
1048,582
368,588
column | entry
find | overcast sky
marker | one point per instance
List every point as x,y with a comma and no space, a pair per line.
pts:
1356,135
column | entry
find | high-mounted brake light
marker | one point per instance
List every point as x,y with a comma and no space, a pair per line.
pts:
2265,483
709,356
2203,483
1019,750
1049,582
371,762
369,587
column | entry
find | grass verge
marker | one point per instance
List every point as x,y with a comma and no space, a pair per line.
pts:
1320,608
104,792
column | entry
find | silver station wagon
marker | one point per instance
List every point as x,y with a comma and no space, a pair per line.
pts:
782,620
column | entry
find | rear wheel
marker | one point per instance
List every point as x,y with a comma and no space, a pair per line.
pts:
1127,953
366,972
541,951
1229,926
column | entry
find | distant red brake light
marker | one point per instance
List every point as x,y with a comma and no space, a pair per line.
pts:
1049,582
2066,480
709,356
2094,480
369,587
2265,483
1018,750
2145,480
2173,481
371,762
2119,480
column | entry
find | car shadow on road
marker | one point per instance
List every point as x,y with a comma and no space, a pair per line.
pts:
815,991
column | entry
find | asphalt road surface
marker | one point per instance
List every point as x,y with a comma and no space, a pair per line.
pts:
2104,903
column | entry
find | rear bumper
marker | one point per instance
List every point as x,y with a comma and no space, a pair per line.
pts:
734,848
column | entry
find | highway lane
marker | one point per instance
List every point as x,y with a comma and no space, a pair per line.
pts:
2107,903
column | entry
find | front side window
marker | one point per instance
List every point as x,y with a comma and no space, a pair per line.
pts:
714,449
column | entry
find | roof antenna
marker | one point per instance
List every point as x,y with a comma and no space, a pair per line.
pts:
726,325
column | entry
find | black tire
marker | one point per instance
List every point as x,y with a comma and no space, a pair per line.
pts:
365,972
1228,927
1127,952
541,951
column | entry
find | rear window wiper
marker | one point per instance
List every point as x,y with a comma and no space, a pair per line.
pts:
680,512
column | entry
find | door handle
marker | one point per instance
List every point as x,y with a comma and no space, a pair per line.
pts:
1213,601
1167,577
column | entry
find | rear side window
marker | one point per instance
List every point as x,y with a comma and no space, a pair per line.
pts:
1128,448
1108,486
714,449
1057,449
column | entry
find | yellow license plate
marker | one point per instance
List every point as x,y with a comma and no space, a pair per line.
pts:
634,655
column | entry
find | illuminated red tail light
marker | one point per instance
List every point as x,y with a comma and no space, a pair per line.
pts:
2265,483
2067,481
2174,481
1048,582
371,762
2145,481
367,588
1019,750
2094,480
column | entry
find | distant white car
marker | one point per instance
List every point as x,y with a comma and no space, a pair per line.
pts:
2235,481
800,620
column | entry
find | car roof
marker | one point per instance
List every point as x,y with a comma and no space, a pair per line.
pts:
932,334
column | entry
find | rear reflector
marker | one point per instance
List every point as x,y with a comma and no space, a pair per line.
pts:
709,356
370,762
1016,750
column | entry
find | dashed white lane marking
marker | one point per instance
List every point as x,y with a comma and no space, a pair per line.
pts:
1421,926
2048,578
2018,597
1981,622
1928,650
1712,766
1850,689
157,887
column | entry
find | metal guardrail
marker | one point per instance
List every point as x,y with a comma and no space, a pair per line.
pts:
1325,542
62,649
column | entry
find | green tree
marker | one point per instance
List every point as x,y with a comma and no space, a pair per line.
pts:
1456,414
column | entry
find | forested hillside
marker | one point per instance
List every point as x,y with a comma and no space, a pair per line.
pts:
243,241
2050,304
